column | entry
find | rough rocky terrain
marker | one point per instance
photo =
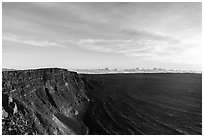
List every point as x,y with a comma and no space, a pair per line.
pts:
56,101
43,101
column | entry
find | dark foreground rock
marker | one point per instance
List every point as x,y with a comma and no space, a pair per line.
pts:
56,101
43,101
150,104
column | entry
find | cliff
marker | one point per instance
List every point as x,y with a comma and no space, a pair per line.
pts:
43,101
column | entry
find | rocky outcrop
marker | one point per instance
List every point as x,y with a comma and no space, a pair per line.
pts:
43,101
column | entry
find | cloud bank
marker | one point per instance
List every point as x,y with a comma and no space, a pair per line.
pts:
159,32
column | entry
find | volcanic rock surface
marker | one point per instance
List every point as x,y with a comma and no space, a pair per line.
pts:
43,101
57,101
150,104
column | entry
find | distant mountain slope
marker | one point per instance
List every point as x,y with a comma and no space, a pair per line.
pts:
134,70
6,69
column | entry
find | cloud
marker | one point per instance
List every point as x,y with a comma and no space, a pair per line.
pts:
141,42
159,32
31,42
156,49
127,47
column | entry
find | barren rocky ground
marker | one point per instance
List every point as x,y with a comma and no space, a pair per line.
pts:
56,101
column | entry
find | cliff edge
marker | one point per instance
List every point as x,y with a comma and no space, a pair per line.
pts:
43,101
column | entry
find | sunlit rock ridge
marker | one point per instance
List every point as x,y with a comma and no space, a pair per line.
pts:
43,101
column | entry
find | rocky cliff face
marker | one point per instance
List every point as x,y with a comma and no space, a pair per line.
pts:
43,101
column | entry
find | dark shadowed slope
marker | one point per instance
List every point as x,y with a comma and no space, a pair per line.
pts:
144,103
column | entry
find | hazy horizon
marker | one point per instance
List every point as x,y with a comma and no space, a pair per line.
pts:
100,35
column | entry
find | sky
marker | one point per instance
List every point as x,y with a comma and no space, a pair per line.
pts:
98,35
